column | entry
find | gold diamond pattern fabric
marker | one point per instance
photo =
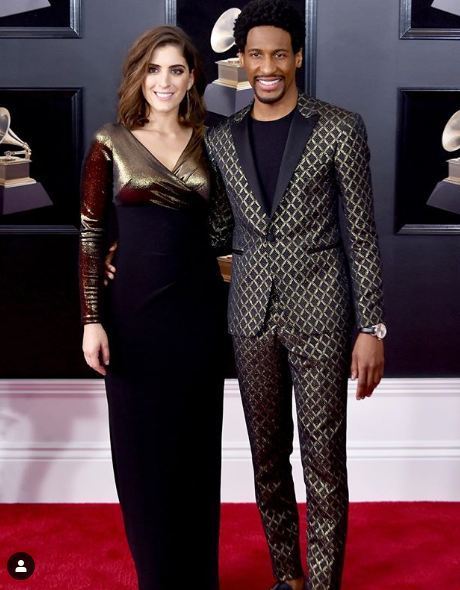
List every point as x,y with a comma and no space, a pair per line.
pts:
317,366
299,249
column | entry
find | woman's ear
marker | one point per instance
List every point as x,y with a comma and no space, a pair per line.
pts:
191,81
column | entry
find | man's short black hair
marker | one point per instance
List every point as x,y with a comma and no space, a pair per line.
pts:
275,13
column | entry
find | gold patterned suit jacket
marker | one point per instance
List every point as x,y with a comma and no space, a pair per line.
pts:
298,246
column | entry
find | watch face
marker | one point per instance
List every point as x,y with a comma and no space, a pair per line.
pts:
380,331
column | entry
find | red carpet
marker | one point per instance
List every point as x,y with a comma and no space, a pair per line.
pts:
391,546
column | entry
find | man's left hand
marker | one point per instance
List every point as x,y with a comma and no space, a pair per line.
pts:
109,269
367,363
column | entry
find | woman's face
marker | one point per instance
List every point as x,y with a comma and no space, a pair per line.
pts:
167,80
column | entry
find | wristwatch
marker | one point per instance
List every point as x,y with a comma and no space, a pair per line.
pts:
379,331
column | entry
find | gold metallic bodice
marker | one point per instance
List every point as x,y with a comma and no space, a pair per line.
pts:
120,171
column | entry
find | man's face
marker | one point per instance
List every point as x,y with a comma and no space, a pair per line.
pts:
270,63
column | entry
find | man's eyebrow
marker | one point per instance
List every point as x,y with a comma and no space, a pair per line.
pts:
272,51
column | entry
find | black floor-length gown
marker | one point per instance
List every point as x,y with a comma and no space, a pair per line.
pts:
165,321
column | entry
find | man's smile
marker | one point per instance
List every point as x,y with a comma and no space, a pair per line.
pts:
266,83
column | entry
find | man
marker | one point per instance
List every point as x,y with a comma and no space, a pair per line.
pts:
287,163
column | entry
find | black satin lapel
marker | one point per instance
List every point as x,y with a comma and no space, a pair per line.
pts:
240,133
299,133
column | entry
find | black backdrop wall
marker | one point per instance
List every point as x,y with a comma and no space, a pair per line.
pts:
361,62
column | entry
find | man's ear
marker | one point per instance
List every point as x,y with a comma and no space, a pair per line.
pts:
241,58
299,58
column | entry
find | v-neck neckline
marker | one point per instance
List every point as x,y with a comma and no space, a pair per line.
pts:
152,155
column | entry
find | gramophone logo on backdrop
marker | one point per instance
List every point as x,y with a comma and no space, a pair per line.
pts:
18,191
231,91
446,194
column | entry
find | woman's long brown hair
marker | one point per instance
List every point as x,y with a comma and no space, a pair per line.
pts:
133,109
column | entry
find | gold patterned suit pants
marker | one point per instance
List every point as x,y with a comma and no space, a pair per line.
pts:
317,366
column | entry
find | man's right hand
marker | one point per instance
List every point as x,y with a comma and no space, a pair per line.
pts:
109,269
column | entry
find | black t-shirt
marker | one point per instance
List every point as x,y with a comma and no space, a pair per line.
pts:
268,140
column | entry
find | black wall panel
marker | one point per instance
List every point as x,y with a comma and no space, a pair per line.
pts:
361,64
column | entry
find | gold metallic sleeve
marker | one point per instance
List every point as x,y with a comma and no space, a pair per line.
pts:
96,198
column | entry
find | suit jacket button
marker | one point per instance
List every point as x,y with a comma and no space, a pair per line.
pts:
270,237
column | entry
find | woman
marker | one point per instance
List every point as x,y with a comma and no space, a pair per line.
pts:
156,332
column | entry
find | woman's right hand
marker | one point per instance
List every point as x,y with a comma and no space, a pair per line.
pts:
96,347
